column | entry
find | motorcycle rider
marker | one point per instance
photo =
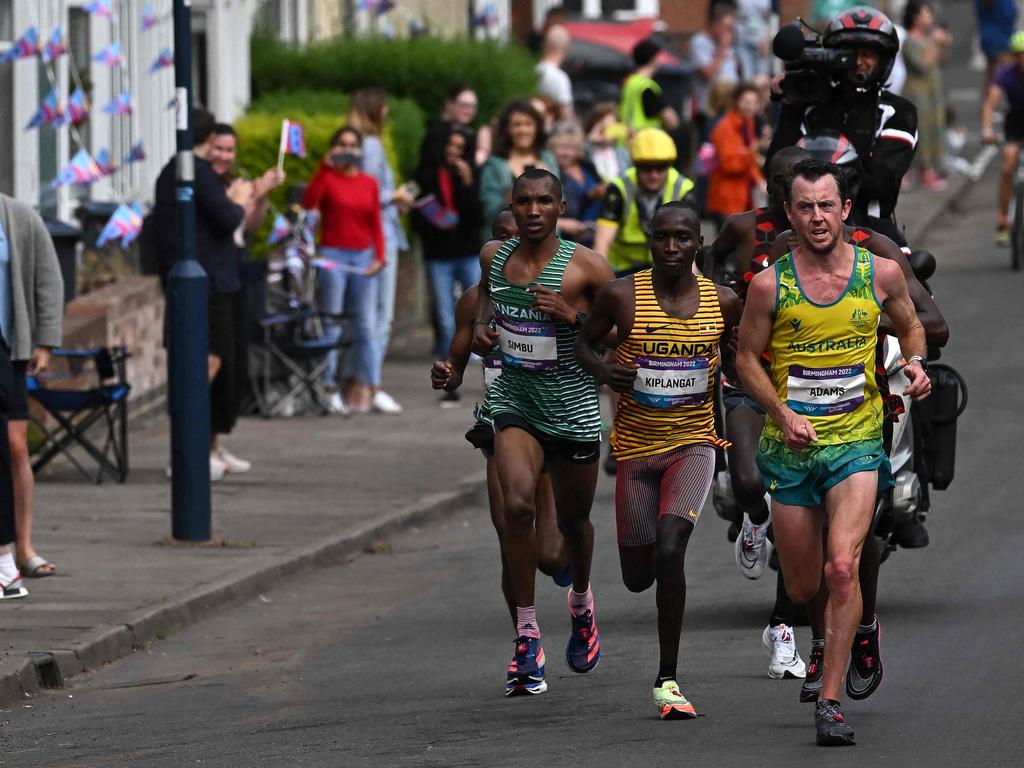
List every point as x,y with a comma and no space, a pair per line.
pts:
747,243
881,125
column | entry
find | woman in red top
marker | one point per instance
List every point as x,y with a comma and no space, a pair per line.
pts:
739,153
352,247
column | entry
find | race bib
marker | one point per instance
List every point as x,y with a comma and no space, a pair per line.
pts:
492,368
825,391
529,345
667,382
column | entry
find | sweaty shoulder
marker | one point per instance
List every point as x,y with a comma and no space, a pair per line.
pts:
593,264
729,302
889,278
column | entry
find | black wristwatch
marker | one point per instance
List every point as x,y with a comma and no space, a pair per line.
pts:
581,318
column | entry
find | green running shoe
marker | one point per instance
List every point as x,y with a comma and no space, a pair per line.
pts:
671,703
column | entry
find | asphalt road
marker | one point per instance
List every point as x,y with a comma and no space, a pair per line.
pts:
398,658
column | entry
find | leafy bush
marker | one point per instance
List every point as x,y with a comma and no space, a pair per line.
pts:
421,69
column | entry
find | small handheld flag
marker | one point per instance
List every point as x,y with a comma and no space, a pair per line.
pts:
165,59
55,47
293,141
122,105
434,212
24,47
78,107
282,228
149,19
111,55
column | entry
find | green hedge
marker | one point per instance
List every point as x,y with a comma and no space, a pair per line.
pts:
421,69
405,129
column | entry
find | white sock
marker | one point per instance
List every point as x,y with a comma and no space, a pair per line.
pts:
7,567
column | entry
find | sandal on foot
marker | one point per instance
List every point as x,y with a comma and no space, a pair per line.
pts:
12,589
37,567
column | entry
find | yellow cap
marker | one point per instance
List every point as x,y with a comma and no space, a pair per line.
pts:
652,145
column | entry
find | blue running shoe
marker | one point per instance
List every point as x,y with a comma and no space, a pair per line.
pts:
583,651
526,670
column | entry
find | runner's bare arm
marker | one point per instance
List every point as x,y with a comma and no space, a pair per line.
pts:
732,310
784,242
604,236
605,315
721,250
891,288
755,331
448,374
485,337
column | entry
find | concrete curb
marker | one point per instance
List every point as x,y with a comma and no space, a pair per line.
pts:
916,231
51,668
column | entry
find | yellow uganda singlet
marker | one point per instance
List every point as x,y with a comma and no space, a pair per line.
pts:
673,395
823,355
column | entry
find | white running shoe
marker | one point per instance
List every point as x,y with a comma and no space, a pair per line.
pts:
232,464
336,405
779,643
385,403
217,468
753,550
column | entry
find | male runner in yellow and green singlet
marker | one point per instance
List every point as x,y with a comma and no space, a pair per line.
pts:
821,455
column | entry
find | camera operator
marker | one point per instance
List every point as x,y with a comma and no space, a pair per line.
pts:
839,86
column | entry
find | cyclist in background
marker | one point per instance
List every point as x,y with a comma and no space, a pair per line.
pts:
1007,81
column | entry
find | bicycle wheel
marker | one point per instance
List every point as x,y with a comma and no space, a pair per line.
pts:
1017,231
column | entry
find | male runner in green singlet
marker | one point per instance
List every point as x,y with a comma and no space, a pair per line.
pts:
821,452
537,289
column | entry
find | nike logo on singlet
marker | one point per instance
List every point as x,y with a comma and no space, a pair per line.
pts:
655,328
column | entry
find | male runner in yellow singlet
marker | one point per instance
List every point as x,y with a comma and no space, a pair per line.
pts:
816,313
669,326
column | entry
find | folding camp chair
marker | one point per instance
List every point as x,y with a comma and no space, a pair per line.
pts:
79,411
294,354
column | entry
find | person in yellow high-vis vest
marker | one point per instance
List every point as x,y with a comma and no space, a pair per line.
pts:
631,200
642,104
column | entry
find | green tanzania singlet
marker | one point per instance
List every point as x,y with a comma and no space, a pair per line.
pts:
540,379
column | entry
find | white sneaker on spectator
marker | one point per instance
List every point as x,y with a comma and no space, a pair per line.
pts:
336,405
385,403
217,468
232,463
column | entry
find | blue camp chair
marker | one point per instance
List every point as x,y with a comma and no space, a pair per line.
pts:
82,414
293,356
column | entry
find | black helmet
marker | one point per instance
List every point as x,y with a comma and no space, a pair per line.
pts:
862,26
834,147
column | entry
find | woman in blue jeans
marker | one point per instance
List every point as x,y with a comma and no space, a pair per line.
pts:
353,253
449,229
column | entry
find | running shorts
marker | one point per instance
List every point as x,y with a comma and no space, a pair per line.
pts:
1013,126
648,487
803,478
481,437
18,404
555,448
733,398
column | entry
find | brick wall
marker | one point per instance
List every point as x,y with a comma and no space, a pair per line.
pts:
129,313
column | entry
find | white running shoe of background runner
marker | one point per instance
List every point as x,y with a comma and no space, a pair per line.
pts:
753,550
779,643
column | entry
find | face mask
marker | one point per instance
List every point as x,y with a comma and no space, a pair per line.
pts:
350,157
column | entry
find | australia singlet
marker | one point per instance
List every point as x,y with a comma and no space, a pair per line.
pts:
674,391
540,380
823,355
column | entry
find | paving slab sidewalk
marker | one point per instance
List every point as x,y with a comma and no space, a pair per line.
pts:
321,488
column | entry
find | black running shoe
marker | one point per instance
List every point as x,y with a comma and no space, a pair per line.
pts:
833,730
865,672
812,682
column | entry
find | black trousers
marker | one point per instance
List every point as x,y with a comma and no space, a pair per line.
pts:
7,528
229,340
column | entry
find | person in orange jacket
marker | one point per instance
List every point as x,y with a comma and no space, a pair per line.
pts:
739,156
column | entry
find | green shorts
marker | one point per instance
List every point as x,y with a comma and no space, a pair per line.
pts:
802,479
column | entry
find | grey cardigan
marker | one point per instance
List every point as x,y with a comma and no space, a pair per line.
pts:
37,288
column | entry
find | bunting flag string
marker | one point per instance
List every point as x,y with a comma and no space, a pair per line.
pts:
125,225
106,167
103,8
165,59
81,169
122,105
149,17
55,47
137,154
25,47
111,55
78,107
50,113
